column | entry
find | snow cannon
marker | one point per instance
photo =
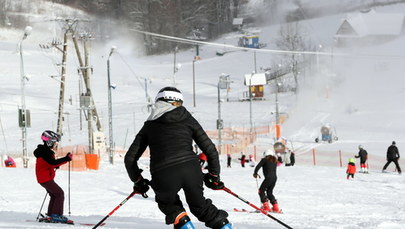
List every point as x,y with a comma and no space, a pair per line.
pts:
279,147
327,134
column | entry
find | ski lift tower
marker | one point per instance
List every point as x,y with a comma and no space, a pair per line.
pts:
86,100
196,34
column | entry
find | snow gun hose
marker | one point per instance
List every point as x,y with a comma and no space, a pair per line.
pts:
116,208
255,207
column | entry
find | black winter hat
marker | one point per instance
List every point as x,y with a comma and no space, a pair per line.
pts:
393,142
169,94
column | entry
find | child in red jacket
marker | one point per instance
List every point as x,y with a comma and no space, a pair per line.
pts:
45,172
351,168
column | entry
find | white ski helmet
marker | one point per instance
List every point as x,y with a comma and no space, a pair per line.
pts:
268,152
169,94
360,147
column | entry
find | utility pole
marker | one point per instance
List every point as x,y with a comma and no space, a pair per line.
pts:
88,93
110,124
219,120
174,66
23,112
223,83
68,29
278,126
86,99
250,105
194,82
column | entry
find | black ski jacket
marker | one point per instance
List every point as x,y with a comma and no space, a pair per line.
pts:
170,140
392,152
362,155
269,169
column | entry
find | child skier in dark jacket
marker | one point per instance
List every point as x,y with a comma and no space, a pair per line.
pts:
169,132
351,168
269,164
45,171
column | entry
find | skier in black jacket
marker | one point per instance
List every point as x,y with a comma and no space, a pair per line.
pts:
392,156
269,164
363,158
169,132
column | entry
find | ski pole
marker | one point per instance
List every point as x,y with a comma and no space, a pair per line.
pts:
255,207
116,208
39,213
69,187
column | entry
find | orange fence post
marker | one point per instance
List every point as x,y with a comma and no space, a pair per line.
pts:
313,156
278,131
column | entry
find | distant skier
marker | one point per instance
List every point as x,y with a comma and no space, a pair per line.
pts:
242,159
228,160
363,159
269,165
289,158
45,171
252,161
169,133
351,168
292,158
9,162
392,156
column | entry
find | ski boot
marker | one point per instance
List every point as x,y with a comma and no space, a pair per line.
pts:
275,208
55,218
182,221
223,224
227,226
365,170
266,207
44,219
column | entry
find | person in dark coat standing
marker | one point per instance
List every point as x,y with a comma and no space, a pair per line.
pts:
169,132
392,156
269,165
228,160
363,155
242,159
45,167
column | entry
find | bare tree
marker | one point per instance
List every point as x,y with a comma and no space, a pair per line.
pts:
293,39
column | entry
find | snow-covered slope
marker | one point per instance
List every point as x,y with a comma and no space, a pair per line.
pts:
311,197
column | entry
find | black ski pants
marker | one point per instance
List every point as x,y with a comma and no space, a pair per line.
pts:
395,162
168,182
266,190
57,195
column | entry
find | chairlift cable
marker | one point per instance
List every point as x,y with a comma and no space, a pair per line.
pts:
190,41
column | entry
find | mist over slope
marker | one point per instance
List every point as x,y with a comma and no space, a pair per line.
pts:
358,90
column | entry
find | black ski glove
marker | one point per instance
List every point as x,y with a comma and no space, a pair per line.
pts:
255,175
69,156
213,181
142,186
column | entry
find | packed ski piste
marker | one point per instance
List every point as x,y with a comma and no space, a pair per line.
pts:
169,132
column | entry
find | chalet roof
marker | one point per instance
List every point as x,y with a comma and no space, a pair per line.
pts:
237,21
372,23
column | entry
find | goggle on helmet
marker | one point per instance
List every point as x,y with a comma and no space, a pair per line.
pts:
49,137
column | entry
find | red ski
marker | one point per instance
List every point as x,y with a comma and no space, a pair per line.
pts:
254,211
